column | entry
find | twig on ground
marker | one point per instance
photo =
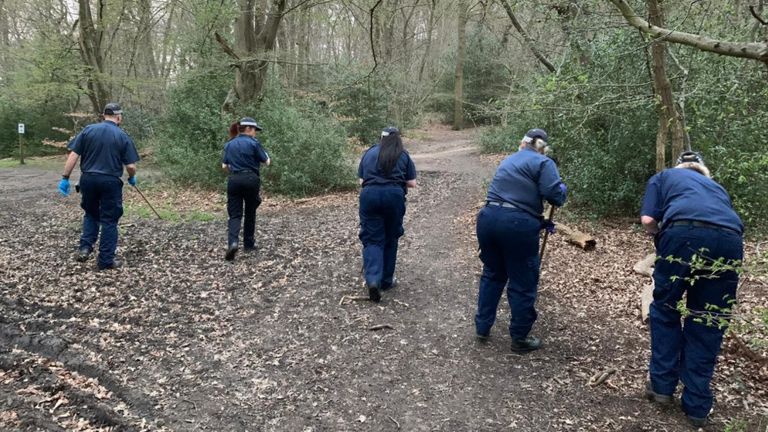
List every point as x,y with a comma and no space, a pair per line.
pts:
381,327
600,377
194,405
394,421
400,302
353,298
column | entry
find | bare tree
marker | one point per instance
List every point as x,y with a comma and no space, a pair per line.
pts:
461,48
750,50
669,116
526,37
91,40
255,33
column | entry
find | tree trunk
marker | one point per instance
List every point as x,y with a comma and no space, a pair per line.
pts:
255,33
5,39
669,118
430,29
526,37
91,51
458,93
146,40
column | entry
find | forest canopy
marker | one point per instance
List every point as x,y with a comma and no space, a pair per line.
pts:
621,86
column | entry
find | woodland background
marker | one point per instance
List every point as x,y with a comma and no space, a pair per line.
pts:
325,75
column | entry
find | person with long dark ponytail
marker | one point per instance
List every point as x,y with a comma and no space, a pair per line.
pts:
386,172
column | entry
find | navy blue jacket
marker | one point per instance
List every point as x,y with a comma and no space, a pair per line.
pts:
684,194
104,148
368,170
526,178
244,153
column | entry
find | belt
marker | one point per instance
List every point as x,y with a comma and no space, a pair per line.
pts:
699,224
500,204
244,172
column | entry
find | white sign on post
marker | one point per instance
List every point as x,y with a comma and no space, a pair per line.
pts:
21,128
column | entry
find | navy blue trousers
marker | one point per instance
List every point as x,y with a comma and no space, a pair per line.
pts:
688,352
381,225
102,200
242,201
509,249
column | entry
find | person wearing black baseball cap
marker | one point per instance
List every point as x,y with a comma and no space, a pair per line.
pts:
243,156
104,149
386,171
508,230
689,214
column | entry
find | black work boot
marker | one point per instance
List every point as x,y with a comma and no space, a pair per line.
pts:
697,422
231,251
114,266
659,398
83,254
521,346
374,293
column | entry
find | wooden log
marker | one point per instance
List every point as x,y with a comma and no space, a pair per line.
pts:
645,268
646,298
645,265
578,238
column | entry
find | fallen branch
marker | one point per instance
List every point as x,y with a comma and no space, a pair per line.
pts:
747,351
646,298
645,265
600,377
395,422
380,327
578,238
353,298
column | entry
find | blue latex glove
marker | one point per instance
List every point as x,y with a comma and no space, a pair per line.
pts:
64,187
549,226
564,188
132,181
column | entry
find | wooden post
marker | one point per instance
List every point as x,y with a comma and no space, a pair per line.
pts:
21,143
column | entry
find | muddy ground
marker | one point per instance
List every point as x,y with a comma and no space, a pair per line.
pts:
179,340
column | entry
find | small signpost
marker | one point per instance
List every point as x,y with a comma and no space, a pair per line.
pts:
21,143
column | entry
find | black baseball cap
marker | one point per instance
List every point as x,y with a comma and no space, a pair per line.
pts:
535,133
690,156
391,130
112,108
248,121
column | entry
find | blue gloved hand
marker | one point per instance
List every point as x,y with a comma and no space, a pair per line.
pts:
132,180
549,226
564,188
64,187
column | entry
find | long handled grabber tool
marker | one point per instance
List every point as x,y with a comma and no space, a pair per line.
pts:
158,214
546,235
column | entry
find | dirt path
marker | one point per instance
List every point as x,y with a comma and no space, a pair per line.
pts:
180,340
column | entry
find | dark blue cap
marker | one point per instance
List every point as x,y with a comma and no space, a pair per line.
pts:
391,130
248,121
534,134
690,156
112,108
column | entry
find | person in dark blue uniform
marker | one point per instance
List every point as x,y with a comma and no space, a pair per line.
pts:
386,172
243,155
103,149
508,233
688,213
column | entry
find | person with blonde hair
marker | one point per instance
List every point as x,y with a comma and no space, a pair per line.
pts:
689,214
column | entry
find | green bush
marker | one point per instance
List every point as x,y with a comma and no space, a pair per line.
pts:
602,122
193,133
308,149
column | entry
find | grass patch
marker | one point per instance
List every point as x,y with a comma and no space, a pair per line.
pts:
42,162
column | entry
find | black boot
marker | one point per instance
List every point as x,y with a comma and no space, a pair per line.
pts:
83,254
231,251
114,266
525,345
374,293
659,398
